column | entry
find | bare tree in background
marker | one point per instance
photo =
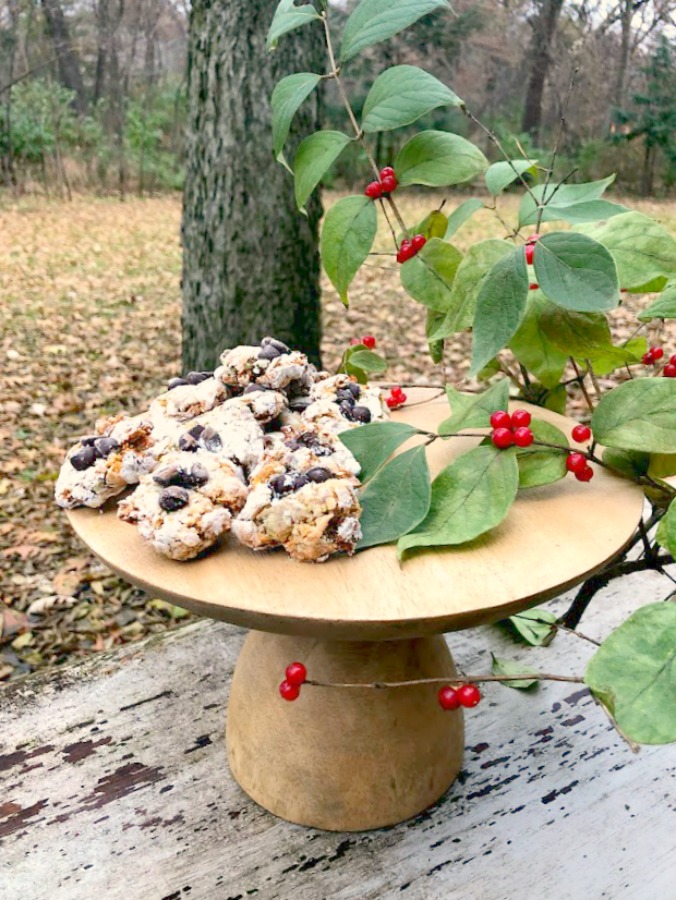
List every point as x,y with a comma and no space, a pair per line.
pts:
544,27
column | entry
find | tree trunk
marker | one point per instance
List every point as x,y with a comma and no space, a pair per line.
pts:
250,259
67,59
544,27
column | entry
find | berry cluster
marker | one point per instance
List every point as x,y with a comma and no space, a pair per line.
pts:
530,249
409,247
387,184
508,430
368,341
652,356
467,695
578,465
396,399
296,675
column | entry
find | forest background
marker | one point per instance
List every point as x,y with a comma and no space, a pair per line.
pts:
93,92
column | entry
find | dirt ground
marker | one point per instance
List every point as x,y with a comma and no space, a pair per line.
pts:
90,324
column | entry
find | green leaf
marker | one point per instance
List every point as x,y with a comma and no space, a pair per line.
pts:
501,174
664,306
287,17
374,21
287,96
396,499
634,674
533,348
578,334
641,248
564,195
638,415
469,497
428,276
314,157
438,158
499,307
509,667
433,225
401,95
542,465
591,211
432,322
666,530
472,271
533,625
576,272
348,233
654,286
474,410
630,462
461,214
367,361
373,444
607,360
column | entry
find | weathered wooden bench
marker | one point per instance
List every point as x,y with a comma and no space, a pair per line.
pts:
114,784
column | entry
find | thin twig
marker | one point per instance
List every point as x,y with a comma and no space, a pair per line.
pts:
580,380
594,379
633,746
450,680
550,170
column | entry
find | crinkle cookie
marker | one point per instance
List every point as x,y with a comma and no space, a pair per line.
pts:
186,399
101,465
338,403
186,503
271,364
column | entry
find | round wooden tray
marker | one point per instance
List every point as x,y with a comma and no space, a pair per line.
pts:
553,538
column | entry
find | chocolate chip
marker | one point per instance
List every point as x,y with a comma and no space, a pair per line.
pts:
278,345
211,439
299,481
89,440
174,498
104,446
345,394
83,459
252,388
196,476
309,439
298,404
269,352
318,474
196,431
175,382
281,484
292,444
187,442
361,414
166,476
198,377
354,389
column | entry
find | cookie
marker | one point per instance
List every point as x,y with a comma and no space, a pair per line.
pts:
271,364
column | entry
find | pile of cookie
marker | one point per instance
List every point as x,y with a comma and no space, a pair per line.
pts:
251,448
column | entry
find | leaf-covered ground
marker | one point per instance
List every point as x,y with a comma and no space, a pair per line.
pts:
90,313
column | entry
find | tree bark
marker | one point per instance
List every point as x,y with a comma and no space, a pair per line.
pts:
544,28
68,62
250,259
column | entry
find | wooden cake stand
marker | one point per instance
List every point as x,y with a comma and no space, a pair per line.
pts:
353,759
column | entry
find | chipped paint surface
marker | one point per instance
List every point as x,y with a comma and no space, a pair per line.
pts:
114,784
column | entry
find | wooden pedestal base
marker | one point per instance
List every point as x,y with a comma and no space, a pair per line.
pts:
343,759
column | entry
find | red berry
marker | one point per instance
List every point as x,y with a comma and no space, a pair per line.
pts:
388,170
672,360
469,695
669,370
648,358
502,438
374,190
354,342
397,392
533,287
585,474
501,419
520,418
581,433
418,242
369,341
296,674
448,698
406,251
530,250
523,437
533,238
395,402
389,184
289,691
657,352
576,462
